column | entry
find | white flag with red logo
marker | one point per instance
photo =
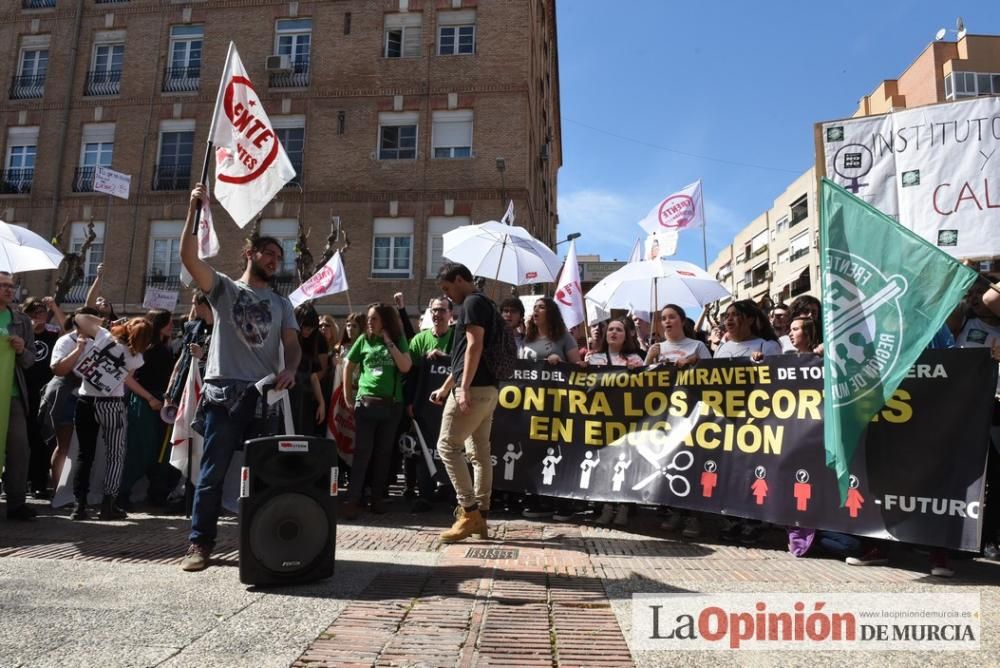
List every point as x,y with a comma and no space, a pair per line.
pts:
251,166
208,240
328,280
569,294
681,211
187,443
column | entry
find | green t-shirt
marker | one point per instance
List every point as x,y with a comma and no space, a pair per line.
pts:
5,319
379,375
426,341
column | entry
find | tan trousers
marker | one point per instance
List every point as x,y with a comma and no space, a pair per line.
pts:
469,432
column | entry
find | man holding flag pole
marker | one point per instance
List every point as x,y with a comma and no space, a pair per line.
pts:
256,335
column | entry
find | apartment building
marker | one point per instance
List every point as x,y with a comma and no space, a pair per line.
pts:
403,118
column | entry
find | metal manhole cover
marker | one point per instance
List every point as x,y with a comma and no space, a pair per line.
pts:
490,553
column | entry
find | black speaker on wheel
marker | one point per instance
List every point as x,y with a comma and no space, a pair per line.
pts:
288,527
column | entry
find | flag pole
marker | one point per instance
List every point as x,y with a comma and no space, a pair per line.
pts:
211,132
704,243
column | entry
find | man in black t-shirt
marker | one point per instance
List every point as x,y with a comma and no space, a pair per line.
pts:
469,395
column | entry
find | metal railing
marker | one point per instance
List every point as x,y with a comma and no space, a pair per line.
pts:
182,79
83,179
297,181
16,181
172,177
77,293
797,254
37,4
103,82
164,282
27,87
297,77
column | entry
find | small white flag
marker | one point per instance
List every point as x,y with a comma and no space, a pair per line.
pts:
508,216
569,294
187,443
208,240
680,211
251,165
636,255
328,280
661,244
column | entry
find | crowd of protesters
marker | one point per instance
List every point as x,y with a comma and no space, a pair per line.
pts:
370,361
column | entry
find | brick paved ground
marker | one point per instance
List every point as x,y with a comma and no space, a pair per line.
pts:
561,600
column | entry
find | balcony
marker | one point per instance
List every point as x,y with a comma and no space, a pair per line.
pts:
37,4
283,284
297,77
83,179
158,280
172,177
182,79
77,293
16,181
103,82
27,87
797,254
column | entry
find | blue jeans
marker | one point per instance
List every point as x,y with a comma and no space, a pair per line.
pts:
839,544
225,433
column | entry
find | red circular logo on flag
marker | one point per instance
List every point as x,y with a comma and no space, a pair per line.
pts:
319,282
252,135
676,212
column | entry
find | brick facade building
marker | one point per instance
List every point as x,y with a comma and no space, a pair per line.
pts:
394,112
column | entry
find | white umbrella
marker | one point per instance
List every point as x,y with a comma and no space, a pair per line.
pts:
502,252
23,250
651,284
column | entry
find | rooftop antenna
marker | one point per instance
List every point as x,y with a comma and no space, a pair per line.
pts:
959,31
960,28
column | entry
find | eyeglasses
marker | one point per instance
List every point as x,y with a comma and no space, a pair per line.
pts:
438,310
6,286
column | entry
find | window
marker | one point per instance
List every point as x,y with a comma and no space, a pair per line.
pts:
286,231
758,244
782,224
963,84
397,135
782,257
746,278
799,246
95,254
392,247
293,38
451,133
173,164
164,251
436,228
96,150
105,73
33,65
983,86
402,35
184,68
457,32
759,274
19,166
291,133
800,210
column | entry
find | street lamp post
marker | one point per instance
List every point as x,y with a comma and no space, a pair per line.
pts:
570,237
502,167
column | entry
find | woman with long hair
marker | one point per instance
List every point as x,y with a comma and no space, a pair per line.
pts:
803,334
618,350
308,403
146,431
354,326
547,337
677,346
382,358
105,360
749,333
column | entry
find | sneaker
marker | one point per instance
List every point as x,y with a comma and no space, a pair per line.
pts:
939,565
991,551
673,521
196,558
621,517
873,557
22,513
692,527
607,514
80,512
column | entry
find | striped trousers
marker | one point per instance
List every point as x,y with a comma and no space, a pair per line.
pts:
106,415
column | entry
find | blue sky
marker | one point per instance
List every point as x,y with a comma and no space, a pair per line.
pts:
716,83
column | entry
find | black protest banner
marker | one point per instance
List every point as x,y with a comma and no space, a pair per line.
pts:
745,439
427,416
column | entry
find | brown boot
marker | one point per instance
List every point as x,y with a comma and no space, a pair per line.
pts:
468,522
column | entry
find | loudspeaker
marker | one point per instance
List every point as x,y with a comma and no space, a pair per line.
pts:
288,527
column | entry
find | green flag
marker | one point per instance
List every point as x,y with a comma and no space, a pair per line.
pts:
886,293
6,385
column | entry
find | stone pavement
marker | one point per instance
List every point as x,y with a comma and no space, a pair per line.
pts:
535,594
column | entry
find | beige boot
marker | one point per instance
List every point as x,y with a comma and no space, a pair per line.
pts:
466,524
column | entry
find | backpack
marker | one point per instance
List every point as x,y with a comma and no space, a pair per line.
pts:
500,351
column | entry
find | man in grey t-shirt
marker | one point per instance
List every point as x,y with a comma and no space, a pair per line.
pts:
252,325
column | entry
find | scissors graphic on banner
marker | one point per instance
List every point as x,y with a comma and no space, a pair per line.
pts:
679,485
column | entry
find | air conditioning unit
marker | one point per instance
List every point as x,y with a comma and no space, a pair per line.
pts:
278,63
768,275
